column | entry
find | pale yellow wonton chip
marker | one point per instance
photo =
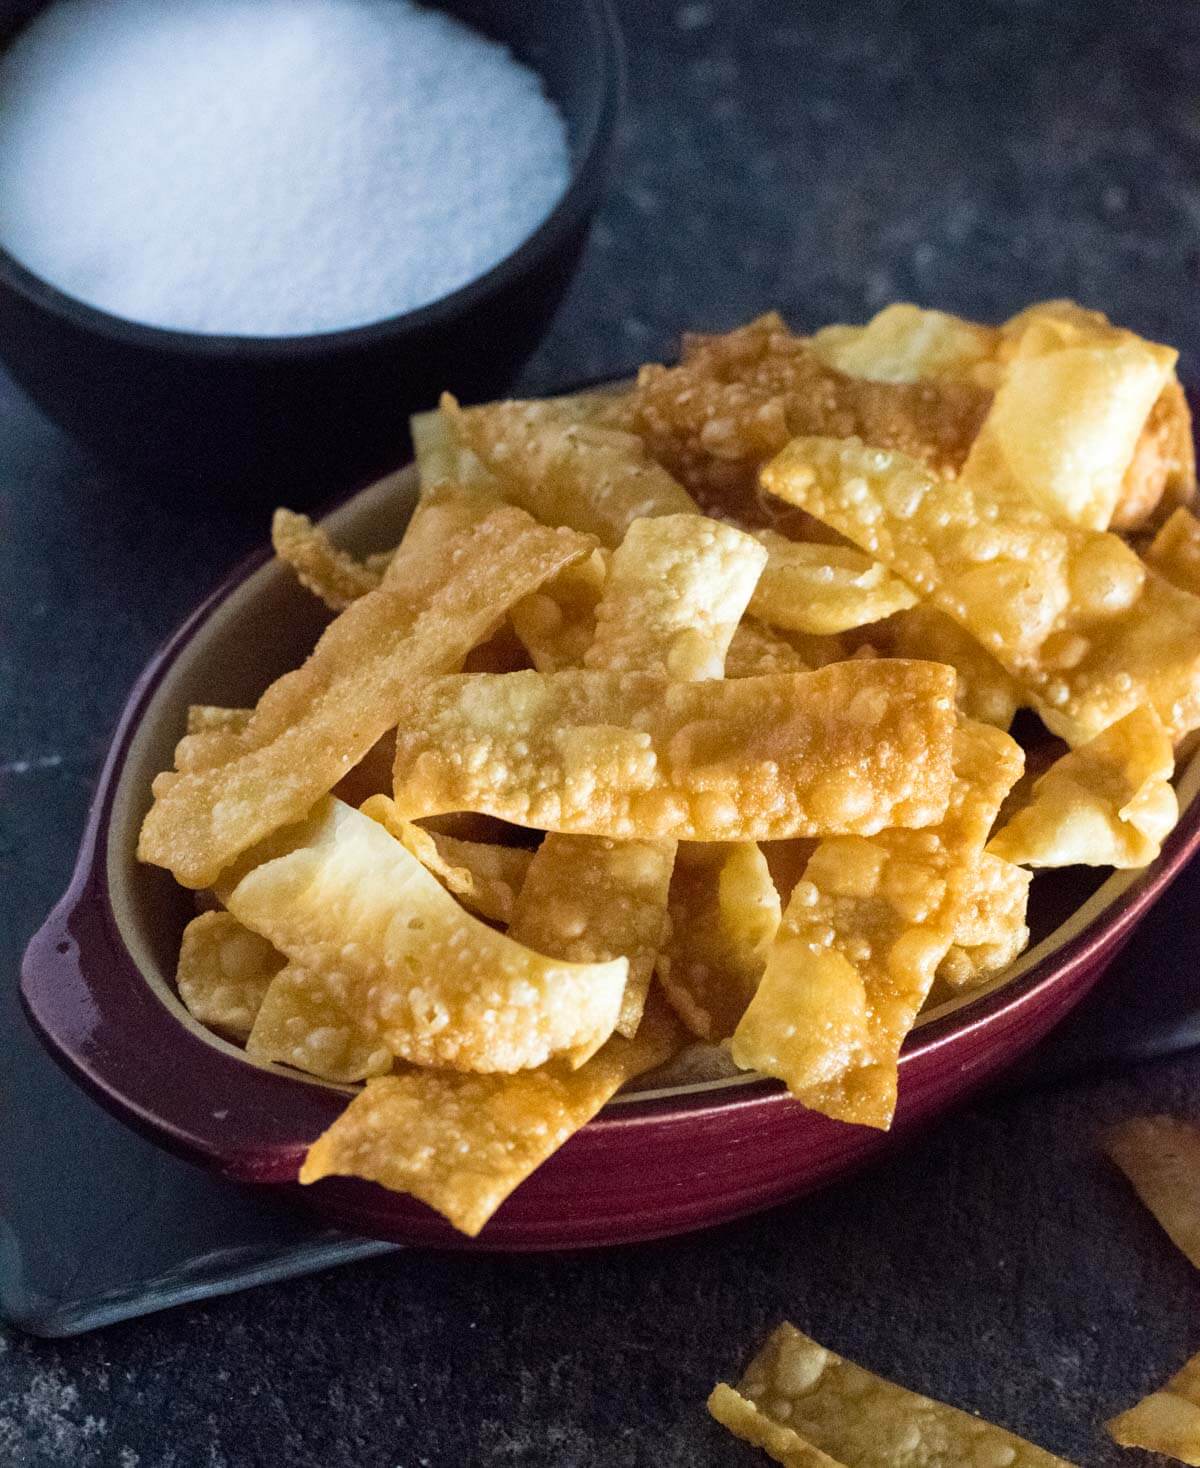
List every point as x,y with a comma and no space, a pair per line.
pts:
677,587
824,589
904,343
592,478
224,972
861,941
1175,550
485,876
1068,414
1160,1155
589,899
1109,803
387,945
810,1408
462,1143
1167,1421
310,1019
991,930
755,651
1073,614
849,748
724,912
313,724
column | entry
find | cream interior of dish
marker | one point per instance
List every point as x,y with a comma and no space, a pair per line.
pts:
270,613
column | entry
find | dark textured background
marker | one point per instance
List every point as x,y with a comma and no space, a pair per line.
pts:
822,159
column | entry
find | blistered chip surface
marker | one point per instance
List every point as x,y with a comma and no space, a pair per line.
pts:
852,747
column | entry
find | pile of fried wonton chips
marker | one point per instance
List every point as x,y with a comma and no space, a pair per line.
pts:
680,716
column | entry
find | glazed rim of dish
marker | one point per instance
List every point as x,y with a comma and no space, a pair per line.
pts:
193,670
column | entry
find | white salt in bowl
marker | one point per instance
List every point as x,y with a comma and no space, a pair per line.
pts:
323,411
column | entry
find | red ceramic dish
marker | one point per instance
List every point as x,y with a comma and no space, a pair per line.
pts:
97,985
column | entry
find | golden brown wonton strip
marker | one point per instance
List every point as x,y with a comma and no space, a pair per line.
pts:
676,589
1167,1421
737,399
595,479
850,748
861,941
334,575
1073,614
1160,1155
313,724
810,1408
463,1143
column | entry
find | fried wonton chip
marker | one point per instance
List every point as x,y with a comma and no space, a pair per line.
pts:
854,747
224,971
985,691
903,343
313,724
462,1143
557,623
592,478
1109,803
1072,613
310,1019
861,941
1160,1155
1167,1421
346,901
1068,415
202,718
677,587
824,589
737,400
755,651
724,913
1175,551
588,899
810,1408
442,458
991,930
333,575
485,876
1162,474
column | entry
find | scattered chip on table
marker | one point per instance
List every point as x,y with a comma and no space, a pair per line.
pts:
1167,1421
809,1408
1160,1155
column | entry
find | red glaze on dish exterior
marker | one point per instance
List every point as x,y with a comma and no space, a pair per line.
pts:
641,1170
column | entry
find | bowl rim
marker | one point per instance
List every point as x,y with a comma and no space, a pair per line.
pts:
589,176
47,972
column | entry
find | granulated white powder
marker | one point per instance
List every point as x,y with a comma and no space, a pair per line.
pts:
267,167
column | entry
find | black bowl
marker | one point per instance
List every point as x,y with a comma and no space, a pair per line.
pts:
328,409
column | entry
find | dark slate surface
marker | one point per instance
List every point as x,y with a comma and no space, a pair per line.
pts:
822,159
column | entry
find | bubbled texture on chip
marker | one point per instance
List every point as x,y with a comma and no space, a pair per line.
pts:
852,748
860,1420
1073,614
383,941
